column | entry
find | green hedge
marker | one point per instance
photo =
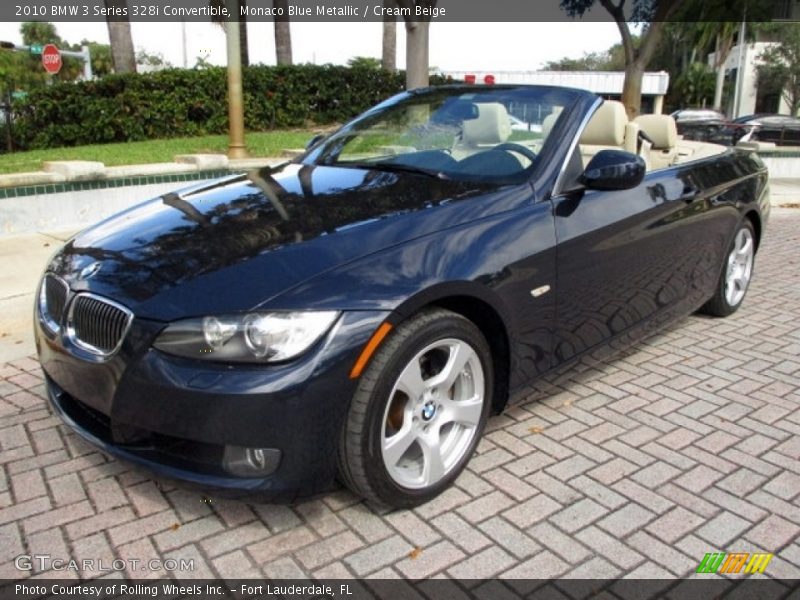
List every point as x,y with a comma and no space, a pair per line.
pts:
179,102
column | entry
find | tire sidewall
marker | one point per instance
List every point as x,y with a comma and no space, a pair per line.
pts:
380,480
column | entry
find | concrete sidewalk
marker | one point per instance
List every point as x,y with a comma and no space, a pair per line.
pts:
23,259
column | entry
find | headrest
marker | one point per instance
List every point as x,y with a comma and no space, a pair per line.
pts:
660,128
550,120
607,126
492,126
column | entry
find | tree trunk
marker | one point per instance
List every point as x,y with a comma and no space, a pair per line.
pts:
632,88
417,54
283,34
244,51
119,35
389,45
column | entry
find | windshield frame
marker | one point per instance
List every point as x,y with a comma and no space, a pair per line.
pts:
326,151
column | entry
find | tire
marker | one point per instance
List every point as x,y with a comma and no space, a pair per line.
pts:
737,272
430,381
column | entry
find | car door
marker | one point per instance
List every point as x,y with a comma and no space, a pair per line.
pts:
624,258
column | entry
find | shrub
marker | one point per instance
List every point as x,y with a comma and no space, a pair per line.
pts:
177,102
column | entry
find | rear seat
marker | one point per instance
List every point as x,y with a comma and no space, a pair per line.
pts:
661,129
609,129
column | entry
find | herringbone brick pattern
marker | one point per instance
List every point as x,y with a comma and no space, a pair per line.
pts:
685,444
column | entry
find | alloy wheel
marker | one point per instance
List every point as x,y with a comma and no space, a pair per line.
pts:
433,413
739,267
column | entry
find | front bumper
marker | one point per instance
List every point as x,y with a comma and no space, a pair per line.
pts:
184,419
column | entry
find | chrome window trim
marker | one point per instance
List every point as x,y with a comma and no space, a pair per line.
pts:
70,329
48,323
589,114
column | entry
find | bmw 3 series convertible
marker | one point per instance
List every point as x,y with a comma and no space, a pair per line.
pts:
359,313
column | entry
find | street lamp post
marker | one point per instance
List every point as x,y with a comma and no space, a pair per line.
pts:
236,146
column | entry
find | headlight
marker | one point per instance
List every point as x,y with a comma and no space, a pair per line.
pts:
253,337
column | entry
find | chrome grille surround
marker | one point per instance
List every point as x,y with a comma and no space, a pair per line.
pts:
96,324
53,298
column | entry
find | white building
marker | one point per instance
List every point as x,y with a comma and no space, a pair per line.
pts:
604,83
749,99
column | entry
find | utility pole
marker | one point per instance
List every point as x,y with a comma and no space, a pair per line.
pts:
183,44
236,146
737,101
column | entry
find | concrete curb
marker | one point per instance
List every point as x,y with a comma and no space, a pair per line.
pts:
65,171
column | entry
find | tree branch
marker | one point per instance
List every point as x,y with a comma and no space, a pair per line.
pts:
616,11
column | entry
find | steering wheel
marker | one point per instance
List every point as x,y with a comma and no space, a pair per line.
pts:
518,148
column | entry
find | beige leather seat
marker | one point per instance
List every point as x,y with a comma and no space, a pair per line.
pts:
608,129
492,127
549,121
663,132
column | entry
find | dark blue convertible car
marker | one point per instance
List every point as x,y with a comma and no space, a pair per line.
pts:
360,312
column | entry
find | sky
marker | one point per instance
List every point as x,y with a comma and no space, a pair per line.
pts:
453,46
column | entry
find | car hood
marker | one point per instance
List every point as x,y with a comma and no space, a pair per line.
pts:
235,243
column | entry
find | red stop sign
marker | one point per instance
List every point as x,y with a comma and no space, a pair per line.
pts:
51,59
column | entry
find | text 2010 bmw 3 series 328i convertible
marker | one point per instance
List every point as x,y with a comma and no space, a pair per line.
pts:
360,312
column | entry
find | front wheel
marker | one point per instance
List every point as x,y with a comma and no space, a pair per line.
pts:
736,273
418,412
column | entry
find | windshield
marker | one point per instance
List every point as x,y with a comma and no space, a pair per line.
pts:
482,134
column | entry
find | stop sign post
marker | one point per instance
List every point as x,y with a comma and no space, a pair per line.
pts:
51,59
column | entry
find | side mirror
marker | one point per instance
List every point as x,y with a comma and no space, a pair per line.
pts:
613,170
314,141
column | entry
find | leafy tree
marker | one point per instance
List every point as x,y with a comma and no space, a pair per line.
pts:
696,84
637,56
364,62
608,60
202,62
779,71
151,60
24,71
102,61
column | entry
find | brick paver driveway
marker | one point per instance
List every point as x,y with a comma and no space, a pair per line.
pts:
687,443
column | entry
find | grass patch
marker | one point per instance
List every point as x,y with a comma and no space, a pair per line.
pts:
270,143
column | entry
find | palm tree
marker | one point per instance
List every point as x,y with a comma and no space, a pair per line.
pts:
119,35
389,45
283,34
723,35
244,51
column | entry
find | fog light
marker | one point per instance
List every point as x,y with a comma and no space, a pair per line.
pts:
250,462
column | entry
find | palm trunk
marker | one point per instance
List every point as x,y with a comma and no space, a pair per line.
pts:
389,45
244,52
119,35
417,54
283,34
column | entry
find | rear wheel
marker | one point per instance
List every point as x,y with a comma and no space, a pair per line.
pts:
419,411
736,273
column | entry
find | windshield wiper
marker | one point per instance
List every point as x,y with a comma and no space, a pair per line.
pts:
394,167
